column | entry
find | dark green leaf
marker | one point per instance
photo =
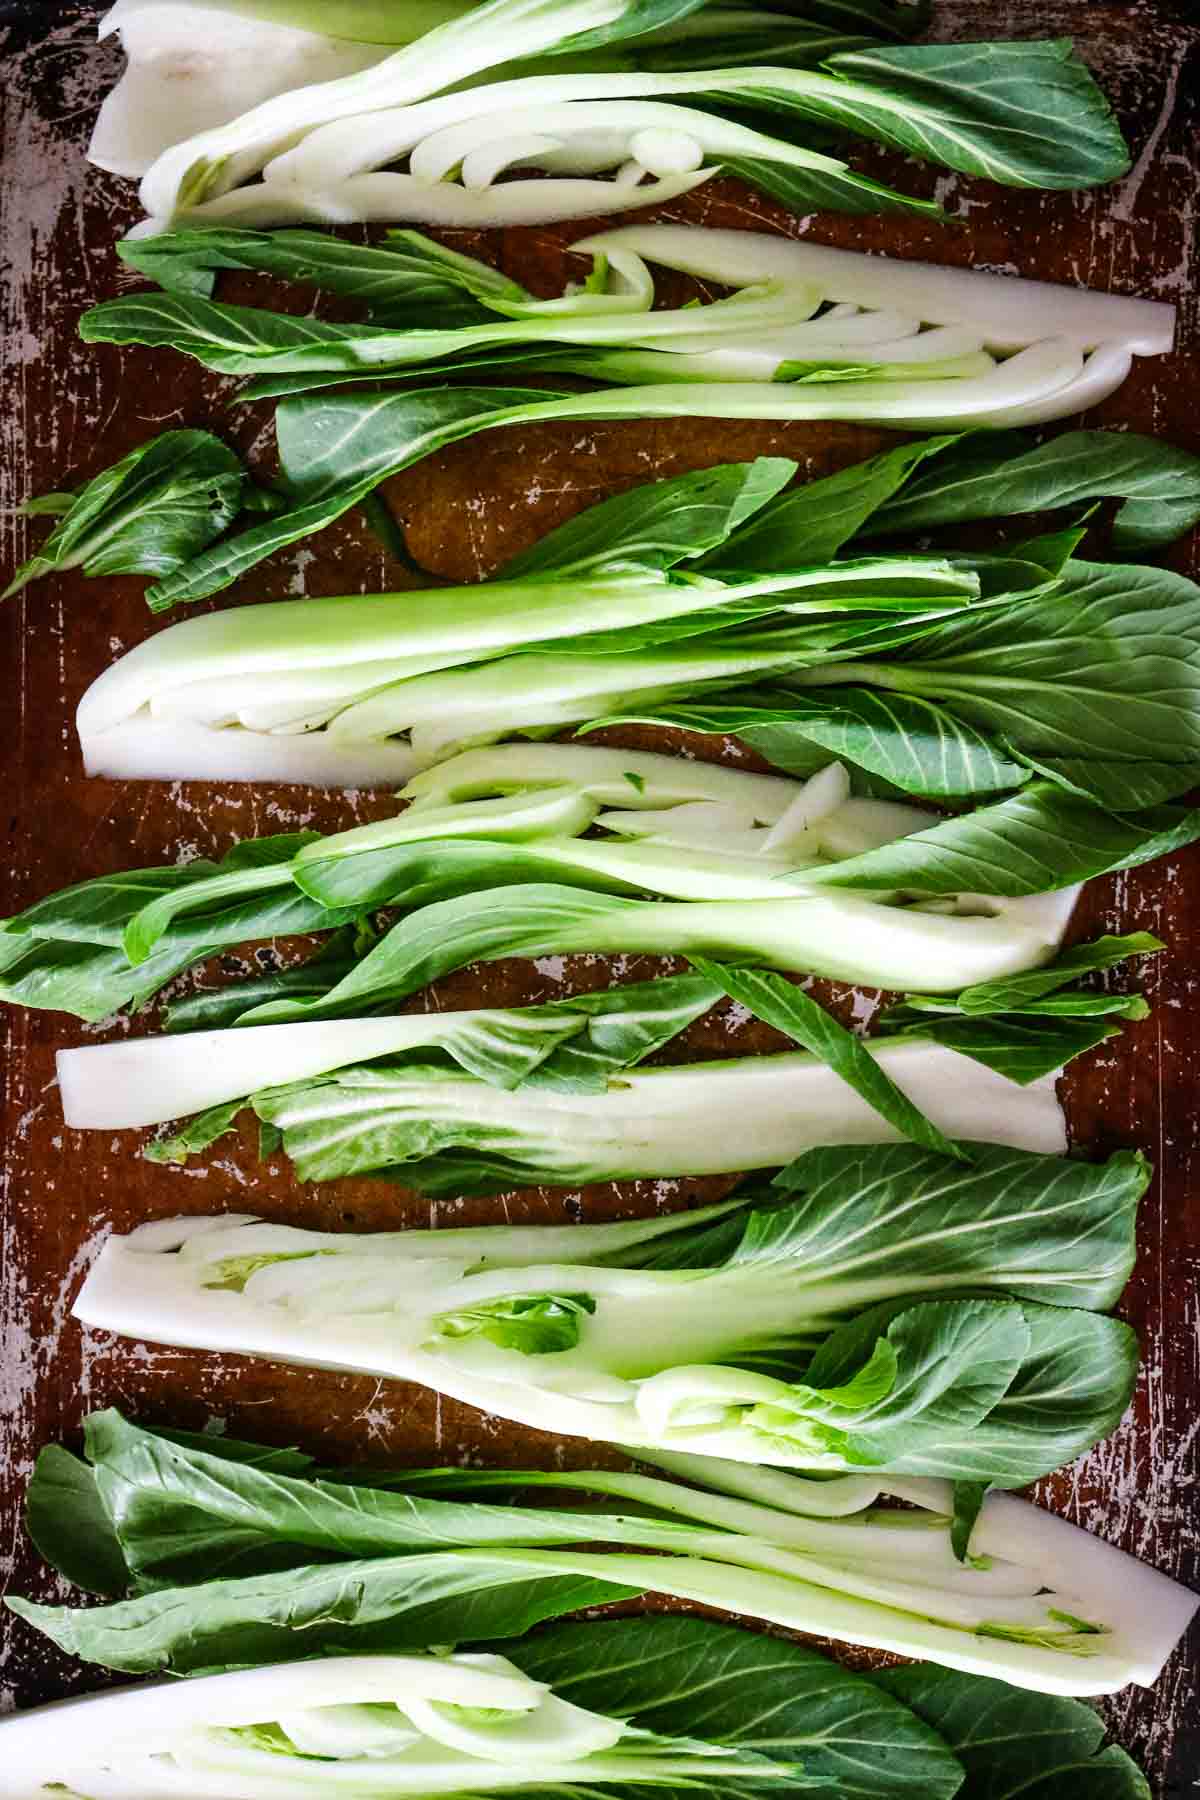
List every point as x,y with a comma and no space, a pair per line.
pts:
805,191
1096,684
1025,114
1014,992
660,523
333,451
694,1678
1041,838
913,745
781,1004
67,1520
1019,1048
146,515
378,1606
987,477
1016,1745
968,1500
399,283
809,524
1035,1226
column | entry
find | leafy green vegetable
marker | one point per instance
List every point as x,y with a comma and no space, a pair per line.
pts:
1015,846
148,514
1157,484
912,744
784,1006
1061,680
1053,1751
823,1346
211,1529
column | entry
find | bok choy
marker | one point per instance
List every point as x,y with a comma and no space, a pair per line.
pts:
200,1532
596,86
823,1325
805,332
944,674
487,879
478,1722
458,1102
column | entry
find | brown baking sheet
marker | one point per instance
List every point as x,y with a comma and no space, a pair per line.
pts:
66,411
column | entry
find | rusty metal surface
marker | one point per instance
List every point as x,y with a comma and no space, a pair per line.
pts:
67,411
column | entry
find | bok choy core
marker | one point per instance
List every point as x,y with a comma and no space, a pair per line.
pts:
821,1325
207,1548
617,103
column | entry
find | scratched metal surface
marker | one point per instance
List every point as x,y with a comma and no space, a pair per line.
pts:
66,412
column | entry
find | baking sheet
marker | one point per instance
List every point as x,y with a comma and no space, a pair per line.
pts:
66,411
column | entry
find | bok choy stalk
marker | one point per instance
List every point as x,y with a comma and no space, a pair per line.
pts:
479,1722
807,332
673,600
821,1326
1027,114
202,1528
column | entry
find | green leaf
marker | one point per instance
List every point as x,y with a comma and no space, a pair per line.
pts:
915,746
955,1362
1039,839
146,515
208,1009
1034,1226
197,1134
810,524
1076,1380
1021,1049
1024,114
697,1678
398,281
189,1508
1016,1744
660,523
1014,992
811,190
381,1605
70,1527
533,1324
987,477
968,1501
781,1004
1066,682
333,452
445,936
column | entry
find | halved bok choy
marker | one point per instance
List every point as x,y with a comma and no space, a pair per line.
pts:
513,876
475,1722
804,331
325,118
123,1523
823,1325
718,599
